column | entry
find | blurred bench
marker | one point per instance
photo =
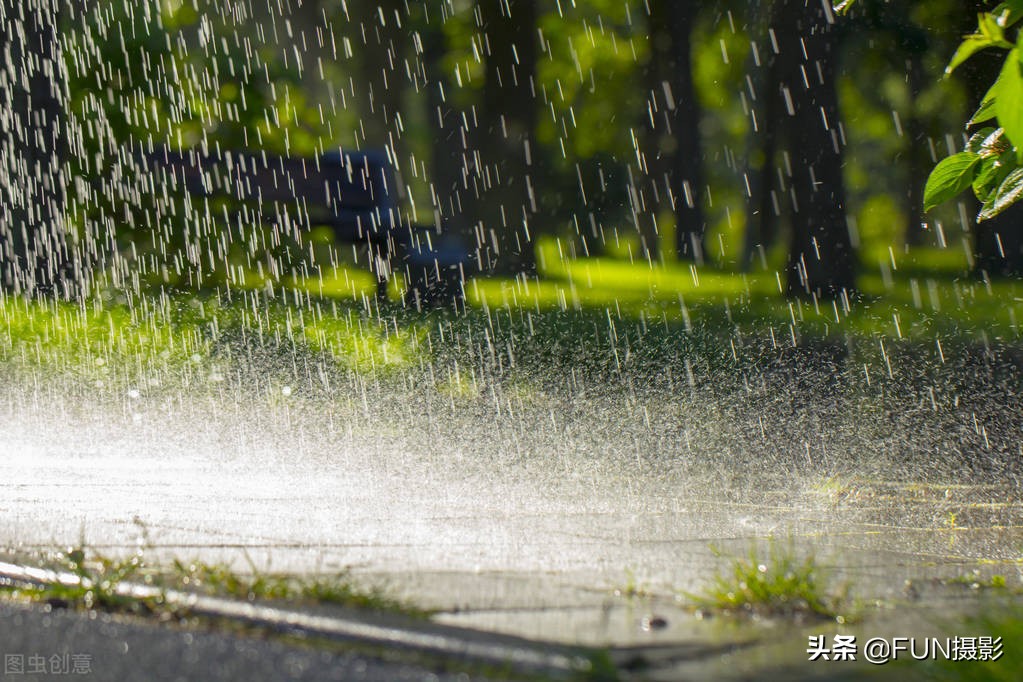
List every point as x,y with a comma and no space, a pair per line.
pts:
353,193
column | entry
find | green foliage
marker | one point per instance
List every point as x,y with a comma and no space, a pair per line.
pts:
975,581
779,584
220,580
187,74
589,108
1008,96
990,33
950,177
97,583
1009,192
162,84
594,50
992,169
103,583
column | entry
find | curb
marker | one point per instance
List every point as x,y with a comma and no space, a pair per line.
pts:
379,630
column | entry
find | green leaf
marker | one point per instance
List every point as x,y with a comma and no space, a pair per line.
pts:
988,26
971,45
978,142
986,112
1009,192
844,6
983,183
1009,98
995,144
990,174
950,177
1009,13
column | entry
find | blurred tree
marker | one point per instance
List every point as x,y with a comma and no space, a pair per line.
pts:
585,164
183,76
802,79
912,44
505,195
34,247
379,29
674,158
448,142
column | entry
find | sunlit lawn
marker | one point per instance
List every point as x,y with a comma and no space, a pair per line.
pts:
902,294
924,295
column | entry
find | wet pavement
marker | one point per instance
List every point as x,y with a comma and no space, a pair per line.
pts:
589,560
581,519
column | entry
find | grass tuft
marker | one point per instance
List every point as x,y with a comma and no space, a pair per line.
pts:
778,584
335,589
98,578
100,581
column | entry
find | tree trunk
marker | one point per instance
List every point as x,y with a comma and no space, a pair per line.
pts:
674,159
821,260
761,147
381,73
33,243
504,191
448,139
916,154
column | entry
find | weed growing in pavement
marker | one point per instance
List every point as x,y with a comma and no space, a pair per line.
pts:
778,584
91,582
975,581
336,589
88,580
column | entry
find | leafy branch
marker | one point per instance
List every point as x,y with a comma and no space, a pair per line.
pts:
992,162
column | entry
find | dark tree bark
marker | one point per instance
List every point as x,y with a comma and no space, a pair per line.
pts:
674,162
916,151
998,244
762,145
449,147
33,244
381,24
503,182
821,259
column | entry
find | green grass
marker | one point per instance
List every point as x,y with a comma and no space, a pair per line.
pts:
904,293
336,589
778,584
99,579
584,309
632,588
915,293
97,586
92,339
185,339
976,581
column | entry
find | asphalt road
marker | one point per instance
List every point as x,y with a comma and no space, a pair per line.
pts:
38,645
